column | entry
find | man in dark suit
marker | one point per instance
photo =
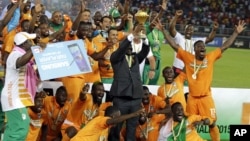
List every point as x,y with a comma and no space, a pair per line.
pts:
127,88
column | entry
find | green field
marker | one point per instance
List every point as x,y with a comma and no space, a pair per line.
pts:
231,71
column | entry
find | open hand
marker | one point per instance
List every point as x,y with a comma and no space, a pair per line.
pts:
178,13
216,25
240,27
164,4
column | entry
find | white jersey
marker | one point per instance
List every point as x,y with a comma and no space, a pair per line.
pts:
187,45
14,94
137,48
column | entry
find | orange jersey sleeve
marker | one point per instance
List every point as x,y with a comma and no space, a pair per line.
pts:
69,38
88,46
69,23
104,71
121,35
55,115
45,40
157,101
95,74
26,16
8,39
103,107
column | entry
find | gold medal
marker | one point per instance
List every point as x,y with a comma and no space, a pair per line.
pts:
194,76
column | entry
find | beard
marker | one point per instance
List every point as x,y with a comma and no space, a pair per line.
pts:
97,101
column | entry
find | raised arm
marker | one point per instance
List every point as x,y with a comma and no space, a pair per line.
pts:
121,51
212,33
99,55
172,24
126,6
59,32
163,8
36,14
166,35
78,18
83,92
11,19
23,60
238,29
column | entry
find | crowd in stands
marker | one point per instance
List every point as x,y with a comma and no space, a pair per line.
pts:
197,12
203,12
123,50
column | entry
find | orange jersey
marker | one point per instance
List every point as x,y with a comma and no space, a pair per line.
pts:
104,71
81,113
95,74
55,116
150,129
103,107
156,103
95,130
45,40
36,121
76,116
69,24
121,35
201,86
175,90
8,39
24,16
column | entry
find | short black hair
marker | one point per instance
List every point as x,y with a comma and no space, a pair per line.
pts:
84,23
95,84
199,41
174,105
110,111
61,89
167,67
44,19
111,28
103,17
145,88
24,21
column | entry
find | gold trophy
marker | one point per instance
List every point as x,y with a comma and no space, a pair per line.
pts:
141,17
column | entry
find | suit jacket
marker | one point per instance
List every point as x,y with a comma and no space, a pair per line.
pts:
127,81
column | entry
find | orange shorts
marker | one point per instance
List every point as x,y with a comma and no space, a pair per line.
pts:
203,106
